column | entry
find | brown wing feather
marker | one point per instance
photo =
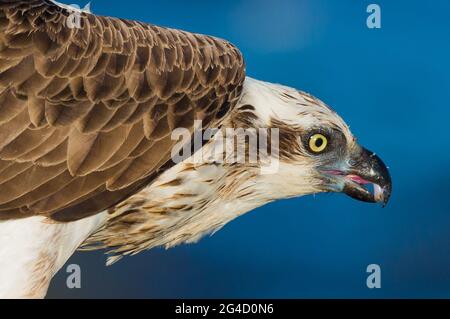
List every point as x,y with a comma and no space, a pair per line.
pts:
86,113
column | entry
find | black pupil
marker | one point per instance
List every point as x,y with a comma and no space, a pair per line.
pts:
319,142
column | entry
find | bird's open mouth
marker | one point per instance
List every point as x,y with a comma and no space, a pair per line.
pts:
377,192
367,179
362,189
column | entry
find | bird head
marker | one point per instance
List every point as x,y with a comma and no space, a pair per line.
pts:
316,150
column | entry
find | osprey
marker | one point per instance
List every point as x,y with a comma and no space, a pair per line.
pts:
87,114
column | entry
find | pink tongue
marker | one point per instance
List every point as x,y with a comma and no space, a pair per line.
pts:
357,179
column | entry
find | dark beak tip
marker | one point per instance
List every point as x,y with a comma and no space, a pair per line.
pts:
371,168
386,184
387,194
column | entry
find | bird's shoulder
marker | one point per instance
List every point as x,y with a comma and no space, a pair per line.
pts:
88,104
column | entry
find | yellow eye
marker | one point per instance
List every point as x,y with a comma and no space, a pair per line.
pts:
318,143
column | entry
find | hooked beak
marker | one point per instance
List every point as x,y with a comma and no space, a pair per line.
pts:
365,168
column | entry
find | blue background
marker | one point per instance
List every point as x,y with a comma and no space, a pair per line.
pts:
390,85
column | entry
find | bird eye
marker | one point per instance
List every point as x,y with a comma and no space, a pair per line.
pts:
318,143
